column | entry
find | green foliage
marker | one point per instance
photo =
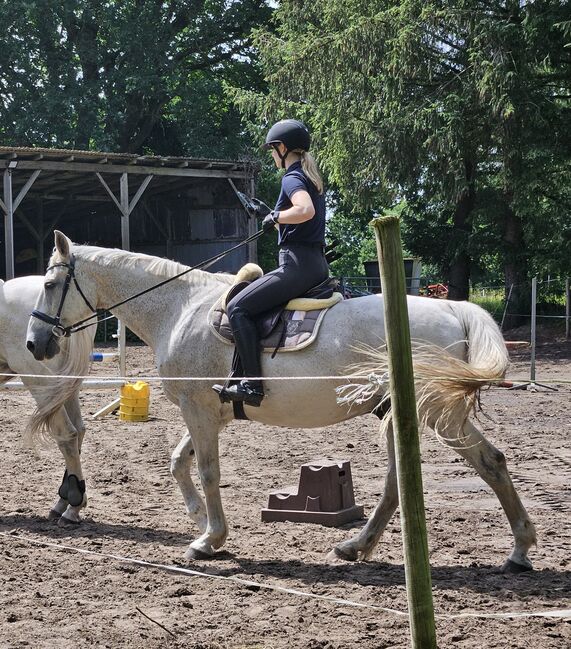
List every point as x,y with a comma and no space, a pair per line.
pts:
460,108
129,75
268,189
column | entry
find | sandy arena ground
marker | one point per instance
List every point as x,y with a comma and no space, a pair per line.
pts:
53,596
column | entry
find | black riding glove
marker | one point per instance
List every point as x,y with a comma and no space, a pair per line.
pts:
270,221
259,208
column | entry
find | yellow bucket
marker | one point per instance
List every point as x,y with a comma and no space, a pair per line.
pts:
134,401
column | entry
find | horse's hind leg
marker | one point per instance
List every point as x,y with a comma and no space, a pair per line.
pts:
362,545
204,427
490,463
181,464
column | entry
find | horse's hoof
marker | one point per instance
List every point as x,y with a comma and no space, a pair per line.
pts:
67,522
194,554
54,515
338,555
512,568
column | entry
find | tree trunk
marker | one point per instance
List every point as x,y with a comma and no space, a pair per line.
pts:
459,268
85,37
515,268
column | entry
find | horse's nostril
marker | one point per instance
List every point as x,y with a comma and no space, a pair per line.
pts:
30,345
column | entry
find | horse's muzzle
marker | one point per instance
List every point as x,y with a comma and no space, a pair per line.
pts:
43,352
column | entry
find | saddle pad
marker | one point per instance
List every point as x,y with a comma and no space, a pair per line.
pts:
301,327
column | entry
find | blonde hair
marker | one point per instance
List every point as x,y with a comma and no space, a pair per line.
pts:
311,170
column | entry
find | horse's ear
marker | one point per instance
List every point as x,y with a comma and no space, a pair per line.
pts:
63,244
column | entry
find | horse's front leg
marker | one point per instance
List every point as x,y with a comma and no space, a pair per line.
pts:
362,545
204,429
181,464
72,496
67,431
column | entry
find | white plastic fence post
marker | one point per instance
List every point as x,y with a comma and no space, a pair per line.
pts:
533,327
567,300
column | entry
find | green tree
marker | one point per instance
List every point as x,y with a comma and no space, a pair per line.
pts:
458,107
126,75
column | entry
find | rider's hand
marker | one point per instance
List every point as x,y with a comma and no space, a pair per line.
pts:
270,221
259,208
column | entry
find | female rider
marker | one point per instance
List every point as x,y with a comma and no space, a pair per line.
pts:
299,215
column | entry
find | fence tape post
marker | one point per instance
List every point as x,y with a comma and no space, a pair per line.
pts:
567,300
533,327
407,444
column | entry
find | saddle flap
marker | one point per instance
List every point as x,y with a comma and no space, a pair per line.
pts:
234,290
267,321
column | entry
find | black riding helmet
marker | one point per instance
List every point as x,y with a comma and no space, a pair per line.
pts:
292,133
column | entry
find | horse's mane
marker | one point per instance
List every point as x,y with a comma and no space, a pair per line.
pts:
157,266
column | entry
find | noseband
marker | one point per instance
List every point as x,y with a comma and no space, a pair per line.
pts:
58,330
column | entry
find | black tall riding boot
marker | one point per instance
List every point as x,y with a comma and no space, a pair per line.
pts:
248,347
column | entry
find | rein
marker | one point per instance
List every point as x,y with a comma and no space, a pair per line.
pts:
60,331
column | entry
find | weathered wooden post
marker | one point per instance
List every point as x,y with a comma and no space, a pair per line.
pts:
405,423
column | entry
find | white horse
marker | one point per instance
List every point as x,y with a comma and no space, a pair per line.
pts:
172,320
57,400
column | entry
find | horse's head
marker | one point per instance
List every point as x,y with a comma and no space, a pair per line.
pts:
61,303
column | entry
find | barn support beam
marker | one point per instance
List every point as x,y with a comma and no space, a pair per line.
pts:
125,207
9,206
252,228
41,238
140,170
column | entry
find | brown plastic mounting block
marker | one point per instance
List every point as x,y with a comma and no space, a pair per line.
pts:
324,495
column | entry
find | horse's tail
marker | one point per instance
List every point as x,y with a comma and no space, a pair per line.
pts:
447,387
52,393
487,350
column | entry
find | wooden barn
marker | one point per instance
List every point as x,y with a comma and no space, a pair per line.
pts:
185,209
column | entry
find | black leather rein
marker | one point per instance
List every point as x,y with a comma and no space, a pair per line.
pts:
60,331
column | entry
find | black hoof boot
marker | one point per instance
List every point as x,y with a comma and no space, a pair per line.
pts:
250,392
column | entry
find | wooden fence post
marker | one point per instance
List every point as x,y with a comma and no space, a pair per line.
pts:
405,423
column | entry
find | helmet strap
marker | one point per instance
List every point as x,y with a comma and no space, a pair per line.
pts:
280,156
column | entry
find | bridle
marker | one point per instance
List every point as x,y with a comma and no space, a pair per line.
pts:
58,330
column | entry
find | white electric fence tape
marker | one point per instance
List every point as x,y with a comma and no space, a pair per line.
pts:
553,613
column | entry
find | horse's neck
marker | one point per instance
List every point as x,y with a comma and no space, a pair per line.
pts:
151,314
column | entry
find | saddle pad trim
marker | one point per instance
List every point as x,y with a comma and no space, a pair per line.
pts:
301,303
312,304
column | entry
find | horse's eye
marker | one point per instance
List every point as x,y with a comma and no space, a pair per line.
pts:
49,285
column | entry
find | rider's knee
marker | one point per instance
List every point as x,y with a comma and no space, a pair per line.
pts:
234,309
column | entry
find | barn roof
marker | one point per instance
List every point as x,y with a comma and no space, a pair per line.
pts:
55,175
32,157
74,172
